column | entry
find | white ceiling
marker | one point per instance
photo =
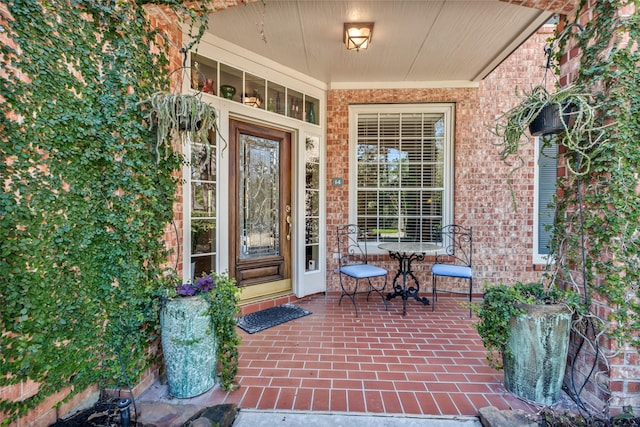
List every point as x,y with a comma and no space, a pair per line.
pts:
424,41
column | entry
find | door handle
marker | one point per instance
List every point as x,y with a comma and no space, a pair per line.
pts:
288,211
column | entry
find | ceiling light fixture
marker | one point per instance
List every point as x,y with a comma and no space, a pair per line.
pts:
357,35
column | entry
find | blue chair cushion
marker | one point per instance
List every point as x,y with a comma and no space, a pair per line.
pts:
362,271
452,270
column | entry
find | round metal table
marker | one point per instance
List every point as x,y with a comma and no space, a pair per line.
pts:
405,253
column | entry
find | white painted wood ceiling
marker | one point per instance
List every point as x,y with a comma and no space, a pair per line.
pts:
426,41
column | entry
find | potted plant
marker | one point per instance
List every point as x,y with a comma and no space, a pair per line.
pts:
525,329
198,334
181,115
570,111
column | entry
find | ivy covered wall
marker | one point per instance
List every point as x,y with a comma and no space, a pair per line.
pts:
84,205
597,231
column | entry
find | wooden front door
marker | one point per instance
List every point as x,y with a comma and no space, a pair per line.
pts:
260,209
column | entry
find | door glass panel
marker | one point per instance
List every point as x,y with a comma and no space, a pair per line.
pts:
203,236
259,197
203,199
203,208
312,203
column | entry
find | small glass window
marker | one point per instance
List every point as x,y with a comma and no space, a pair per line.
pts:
203,202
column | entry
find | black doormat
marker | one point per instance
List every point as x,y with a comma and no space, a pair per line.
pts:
267,318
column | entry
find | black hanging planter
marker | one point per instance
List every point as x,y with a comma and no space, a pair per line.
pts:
185,122
550,121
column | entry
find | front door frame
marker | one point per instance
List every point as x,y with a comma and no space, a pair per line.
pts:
271,274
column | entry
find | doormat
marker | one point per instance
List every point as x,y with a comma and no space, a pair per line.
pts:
269,317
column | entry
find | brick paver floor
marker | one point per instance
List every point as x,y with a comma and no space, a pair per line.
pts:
424,363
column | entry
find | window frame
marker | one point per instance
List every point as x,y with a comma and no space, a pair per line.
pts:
537,257
187,208
448,112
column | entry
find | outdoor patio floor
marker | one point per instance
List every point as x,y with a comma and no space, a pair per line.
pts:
424,363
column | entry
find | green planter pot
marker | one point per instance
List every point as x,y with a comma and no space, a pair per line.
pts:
539,343
188,345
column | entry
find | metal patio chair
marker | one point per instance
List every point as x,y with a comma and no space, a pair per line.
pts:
454,260
354,266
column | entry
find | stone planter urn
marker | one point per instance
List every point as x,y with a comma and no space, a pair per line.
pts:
188,345
539,342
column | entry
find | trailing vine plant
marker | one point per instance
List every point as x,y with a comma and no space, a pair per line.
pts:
576,108
579,135
223,303
596,233
603,155
84,203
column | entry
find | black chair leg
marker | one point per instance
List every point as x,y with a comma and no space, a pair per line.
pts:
384,299
470,290
433,294
351,296
374,289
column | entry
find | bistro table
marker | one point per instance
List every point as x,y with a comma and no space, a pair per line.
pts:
405,253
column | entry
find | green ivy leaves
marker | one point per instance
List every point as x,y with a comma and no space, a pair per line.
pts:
223,303
609,196
84,205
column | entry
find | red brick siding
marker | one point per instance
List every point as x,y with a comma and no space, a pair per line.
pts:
502,237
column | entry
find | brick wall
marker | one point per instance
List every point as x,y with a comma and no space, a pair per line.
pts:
503,237
556,6
611,381
162,18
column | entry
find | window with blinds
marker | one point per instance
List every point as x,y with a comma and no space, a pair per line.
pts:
402,164
546,177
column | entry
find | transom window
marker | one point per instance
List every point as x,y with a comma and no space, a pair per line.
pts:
402,180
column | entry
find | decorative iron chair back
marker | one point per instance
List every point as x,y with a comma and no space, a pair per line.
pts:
349,247
457,244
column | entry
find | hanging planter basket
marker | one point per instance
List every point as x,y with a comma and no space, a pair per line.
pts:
183,116
183,113
551,120
568,111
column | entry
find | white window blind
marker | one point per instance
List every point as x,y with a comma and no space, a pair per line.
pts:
402,166
546,177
